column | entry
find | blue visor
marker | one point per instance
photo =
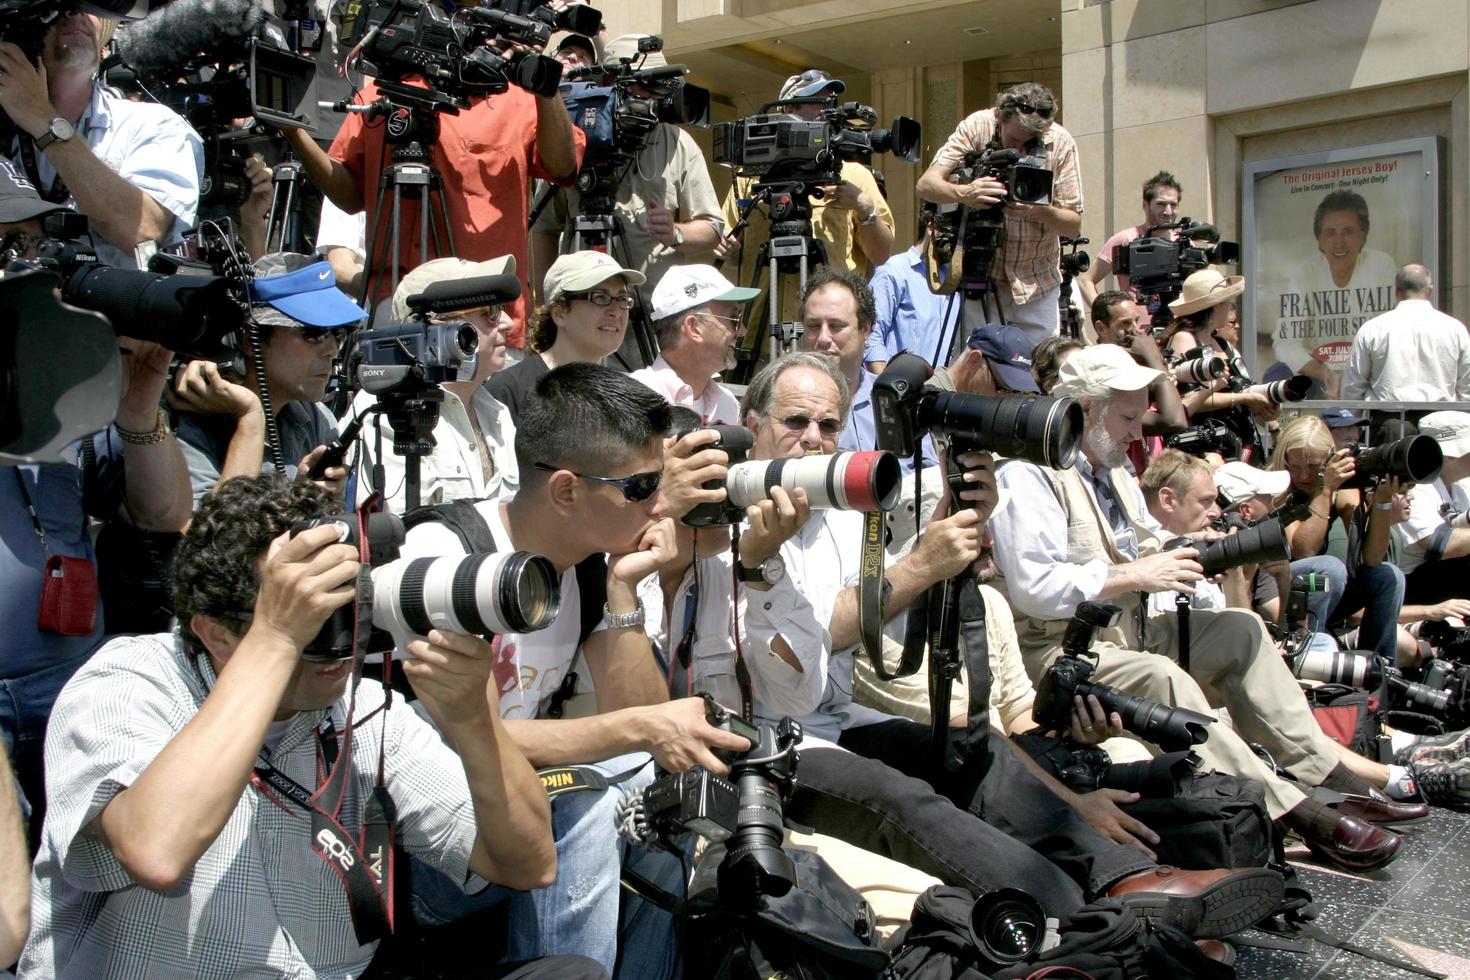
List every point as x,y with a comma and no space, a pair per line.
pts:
309,295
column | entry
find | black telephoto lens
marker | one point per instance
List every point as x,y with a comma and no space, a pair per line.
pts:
1417,459
1251,545
1169,728
1006,926
1044,431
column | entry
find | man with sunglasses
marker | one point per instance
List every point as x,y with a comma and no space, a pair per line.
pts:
589,444
1027,270
301,319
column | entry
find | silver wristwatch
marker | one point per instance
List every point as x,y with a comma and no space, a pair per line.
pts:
770,571
872,218
58,130
618,621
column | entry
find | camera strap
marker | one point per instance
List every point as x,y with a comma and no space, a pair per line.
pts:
742,670
57,193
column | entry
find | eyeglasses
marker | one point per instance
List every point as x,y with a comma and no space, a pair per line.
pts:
797,422
635,489
601,297
316,335
733,321
1028,109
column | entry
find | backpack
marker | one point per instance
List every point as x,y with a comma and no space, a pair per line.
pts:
473,531
1214,820
1349,716
1106,940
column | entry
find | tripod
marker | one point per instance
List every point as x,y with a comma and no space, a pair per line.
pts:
412,415
791,250
411,127
283,231
959,264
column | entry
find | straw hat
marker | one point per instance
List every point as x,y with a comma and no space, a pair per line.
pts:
1204,289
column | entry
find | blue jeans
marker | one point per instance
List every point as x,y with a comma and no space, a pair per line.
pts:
25,707
1378,590
1321,604
585,911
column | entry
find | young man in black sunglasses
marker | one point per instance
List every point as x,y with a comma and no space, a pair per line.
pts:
1028,269
589,444
301,320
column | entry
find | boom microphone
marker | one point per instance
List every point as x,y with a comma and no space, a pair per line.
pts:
449,295
161,42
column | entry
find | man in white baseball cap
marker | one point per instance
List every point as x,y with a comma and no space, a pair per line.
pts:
1085,535
1434,541
696,317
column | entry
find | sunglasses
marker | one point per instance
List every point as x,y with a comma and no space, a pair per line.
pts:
317,335
599,297
635,489
1030,110
797,422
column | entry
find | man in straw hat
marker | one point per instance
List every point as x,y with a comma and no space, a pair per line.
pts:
1086,536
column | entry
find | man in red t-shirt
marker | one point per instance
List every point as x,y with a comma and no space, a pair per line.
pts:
486,157
1161,196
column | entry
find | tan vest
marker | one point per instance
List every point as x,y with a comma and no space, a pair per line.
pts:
1089,537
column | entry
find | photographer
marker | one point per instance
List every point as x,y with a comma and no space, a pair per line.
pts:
474,439
1367,580
133,168
1117,319
1434,539
851,218
486,156
589,444
1085,535
990,825
167,848
1028,262
300,318
665,200
1161,197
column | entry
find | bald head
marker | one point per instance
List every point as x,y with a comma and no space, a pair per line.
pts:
1413,282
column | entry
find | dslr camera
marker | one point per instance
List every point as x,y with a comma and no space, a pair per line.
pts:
1417,459
1205,438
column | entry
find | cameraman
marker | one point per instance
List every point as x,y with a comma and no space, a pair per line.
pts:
589,444
1086,536
133,168
1161,197
300,319
1028,262
486,156
1117,319
665,200
167,852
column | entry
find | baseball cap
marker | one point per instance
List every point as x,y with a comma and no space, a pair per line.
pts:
686,286
1338,418
811,82
626,46
1239,481
308,295
570,39
577,272
18,198
1450,429
1098,371
439,270
1008,349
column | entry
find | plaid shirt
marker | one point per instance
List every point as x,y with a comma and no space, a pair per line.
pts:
258,903
1030,260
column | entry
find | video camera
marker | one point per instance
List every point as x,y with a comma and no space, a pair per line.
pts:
964,239
1157,266
24,22
1172,729
779,148
477,595
404,39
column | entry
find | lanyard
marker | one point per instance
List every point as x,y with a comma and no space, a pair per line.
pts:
25,493
58,192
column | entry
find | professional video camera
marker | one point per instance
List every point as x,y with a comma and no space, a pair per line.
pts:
24,22
1417,459
1207,437
866,481
1044,431
781,148
1172,729
404,39
1157,266
477,595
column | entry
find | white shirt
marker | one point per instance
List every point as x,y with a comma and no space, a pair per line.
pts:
715,407
454,470
148,145
1031,542
528,667
1412,353
1318,312
1417,532
336,228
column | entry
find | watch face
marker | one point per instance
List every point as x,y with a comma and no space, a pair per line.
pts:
773,569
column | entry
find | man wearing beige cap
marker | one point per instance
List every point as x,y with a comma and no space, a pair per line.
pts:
1085,536
1434,542
587,296
665,203
474,440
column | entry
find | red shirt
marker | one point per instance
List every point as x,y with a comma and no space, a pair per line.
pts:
486,157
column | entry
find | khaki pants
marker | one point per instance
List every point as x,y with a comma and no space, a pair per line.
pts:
1232,665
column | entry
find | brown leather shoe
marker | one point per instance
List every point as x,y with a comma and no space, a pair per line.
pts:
1354,843
1220,952
1375,810
1204,904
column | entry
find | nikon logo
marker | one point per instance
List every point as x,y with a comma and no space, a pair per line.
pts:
557,780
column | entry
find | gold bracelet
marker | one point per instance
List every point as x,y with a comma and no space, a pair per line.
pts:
159,433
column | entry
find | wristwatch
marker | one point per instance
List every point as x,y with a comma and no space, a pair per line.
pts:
58,130
618,621
678,237
769,572
872,218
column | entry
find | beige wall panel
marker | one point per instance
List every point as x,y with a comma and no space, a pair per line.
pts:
1088,83
1115,167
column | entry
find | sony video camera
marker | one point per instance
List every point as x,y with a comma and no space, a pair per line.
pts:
1158,266
779,148
403,39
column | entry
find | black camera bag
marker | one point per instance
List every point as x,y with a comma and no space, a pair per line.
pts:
1105,940
1213,821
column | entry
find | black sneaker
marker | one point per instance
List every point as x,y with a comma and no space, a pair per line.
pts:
1444,783
1435,748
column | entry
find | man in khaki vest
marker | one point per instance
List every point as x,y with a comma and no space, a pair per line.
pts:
1085,535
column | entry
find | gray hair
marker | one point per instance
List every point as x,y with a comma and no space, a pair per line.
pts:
670,329
1413,280
762,389
1034,94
